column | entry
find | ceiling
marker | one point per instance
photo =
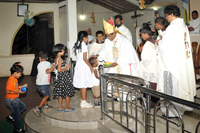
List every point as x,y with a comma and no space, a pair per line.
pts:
33,1
119,6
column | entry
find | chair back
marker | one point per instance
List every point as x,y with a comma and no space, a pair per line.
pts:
196,56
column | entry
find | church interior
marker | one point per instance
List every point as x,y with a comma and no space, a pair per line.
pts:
59,21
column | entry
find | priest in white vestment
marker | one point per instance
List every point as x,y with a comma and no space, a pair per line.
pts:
119,51
160,27
176,63
122,28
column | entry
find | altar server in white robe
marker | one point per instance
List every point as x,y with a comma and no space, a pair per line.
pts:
148,63
119,51
122,28
176,62
96,46
194,24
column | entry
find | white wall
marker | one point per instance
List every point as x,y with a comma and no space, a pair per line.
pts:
148,15
99,12
8,61
194,5
87,7
10,24
179,4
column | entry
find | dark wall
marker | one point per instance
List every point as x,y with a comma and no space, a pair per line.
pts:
44,38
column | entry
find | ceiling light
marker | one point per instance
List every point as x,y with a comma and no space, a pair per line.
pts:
155,9
82,17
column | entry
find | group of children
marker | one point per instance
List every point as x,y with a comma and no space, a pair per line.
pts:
85,76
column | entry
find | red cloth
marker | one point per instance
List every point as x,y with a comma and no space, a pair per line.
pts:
111,21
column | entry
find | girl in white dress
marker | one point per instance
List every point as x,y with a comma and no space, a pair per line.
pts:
83,70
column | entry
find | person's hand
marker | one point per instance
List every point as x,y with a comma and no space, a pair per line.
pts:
104,66
90,42
190,28
140,48
26,85
157,41
21,92
92,69
95,56
67,66
54,64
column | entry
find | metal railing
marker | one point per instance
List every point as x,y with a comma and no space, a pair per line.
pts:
134,104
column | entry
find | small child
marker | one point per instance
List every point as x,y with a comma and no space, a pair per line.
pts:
96,46
83,70
12,97
96,86
148,63
63,87
42,81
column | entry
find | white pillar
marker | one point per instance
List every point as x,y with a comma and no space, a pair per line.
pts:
71,15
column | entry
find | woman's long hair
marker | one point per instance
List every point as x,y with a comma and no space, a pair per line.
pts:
80,37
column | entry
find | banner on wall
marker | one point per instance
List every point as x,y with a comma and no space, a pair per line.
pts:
186,11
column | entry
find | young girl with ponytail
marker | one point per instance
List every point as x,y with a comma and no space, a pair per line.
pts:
83,70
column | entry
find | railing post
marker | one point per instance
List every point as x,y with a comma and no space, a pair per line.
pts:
101,89
148,105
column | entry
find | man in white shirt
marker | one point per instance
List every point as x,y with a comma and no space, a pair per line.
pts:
91,39
194,25
121,28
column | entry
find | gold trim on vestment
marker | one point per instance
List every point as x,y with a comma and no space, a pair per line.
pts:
115,51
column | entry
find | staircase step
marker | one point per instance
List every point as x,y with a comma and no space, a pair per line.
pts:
34,124
78,121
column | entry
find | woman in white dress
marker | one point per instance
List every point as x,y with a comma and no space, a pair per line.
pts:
83,70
